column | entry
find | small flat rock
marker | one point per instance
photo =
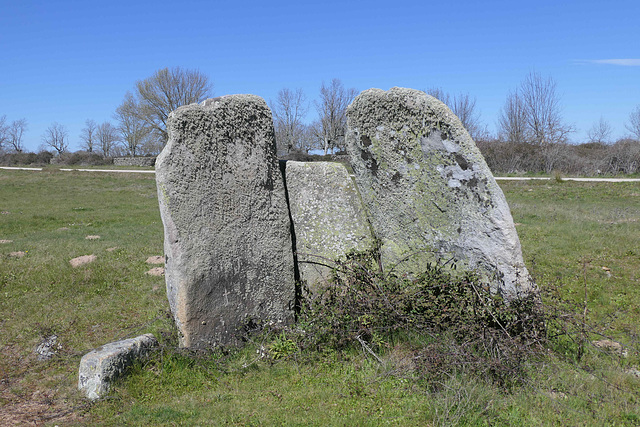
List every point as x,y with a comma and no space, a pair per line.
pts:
157,271
47,348
112,249
633,371
18,254
100,367
92,237
612,346
81,260
3,241
155,260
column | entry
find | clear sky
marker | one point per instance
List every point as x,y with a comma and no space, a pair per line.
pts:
68,61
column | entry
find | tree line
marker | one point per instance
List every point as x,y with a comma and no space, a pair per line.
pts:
531,136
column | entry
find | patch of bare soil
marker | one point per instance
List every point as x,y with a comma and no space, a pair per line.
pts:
155,260
18,254
112,249
3,241
81,260
158,271
92,237
22,407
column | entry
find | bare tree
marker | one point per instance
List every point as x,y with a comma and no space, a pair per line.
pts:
332,108
133,129
4,132
463,106
633,125
600,132
55,136
107,137
288,110
88,135
167,90
543,111
16,131
512,121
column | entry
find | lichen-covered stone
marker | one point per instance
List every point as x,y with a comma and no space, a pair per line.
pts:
328,217
229,259
428,190
100,367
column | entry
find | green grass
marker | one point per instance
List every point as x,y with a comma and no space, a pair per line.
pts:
568,230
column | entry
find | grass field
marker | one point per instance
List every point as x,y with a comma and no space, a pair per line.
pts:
580,239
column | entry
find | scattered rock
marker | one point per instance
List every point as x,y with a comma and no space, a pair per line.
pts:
607,271
612,346
555,395
2,242
428,190
633,371
157,271
111,249
81,260
92,237
5,213
155,260
18,254
47,348
229,257
100,367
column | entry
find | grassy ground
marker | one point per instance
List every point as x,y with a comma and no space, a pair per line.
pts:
575,237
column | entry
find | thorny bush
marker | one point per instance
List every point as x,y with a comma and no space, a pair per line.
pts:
453,322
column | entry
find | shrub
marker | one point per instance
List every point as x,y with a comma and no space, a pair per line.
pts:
458,323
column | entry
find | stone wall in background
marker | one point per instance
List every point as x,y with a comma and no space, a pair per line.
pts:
134,161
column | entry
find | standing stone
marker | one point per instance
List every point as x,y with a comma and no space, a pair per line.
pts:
328,217
229,260
429,192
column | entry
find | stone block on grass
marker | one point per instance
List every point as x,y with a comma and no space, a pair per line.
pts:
100,367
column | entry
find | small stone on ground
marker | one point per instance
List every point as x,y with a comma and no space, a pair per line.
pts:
18,254
47,348
155,260
92,237
158,271
81,260
5,241
112,249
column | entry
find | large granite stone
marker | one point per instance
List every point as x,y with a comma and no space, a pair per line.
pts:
428,190
328,217
229,259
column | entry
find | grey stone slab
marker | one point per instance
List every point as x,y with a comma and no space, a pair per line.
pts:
229,258
428,190
328,216
100,367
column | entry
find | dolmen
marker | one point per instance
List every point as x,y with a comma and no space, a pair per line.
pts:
241,233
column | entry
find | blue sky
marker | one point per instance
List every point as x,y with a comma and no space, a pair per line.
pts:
68,61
